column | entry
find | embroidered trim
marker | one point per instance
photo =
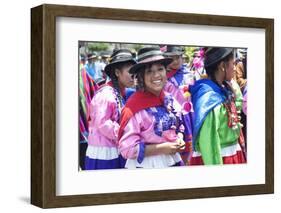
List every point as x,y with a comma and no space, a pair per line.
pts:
165,116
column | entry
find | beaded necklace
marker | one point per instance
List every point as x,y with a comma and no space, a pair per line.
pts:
120,102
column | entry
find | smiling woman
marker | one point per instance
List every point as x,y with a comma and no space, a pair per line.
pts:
153,64
151,118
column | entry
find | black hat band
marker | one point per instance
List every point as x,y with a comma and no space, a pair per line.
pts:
149,54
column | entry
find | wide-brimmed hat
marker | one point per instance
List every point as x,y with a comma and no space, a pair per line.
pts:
92,55
216,54
117,57
149,55
105,54
174,50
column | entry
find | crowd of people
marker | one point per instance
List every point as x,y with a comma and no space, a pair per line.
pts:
155,109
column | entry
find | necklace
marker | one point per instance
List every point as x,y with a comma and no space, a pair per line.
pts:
119,101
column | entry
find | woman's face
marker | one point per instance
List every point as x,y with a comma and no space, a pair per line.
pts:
155,78
176,63
124,77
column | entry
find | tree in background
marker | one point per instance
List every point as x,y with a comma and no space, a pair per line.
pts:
188,51
97,47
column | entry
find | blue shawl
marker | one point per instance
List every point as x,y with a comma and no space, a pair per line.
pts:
206,95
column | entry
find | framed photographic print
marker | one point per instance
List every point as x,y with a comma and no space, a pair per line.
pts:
87,119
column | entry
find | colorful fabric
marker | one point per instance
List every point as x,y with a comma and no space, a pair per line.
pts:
90,68
212,133
197,65
94,164
177,85
105,110
104,116
148,122
171,73
178,77
138,101
87,90
205,96
234,156
103,157
163,120
215,135
94,70
245,99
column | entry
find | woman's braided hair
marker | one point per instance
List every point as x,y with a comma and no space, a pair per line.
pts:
114,79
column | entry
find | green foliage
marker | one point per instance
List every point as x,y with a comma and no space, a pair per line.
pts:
189,51
137,47
97,47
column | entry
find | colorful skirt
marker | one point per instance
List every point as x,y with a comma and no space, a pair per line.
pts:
230,155
103,158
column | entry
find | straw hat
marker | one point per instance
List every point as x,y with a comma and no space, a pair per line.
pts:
149,55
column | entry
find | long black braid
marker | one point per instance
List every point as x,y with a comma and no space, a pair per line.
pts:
115,83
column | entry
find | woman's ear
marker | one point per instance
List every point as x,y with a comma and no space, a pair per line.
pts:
117,72
222,66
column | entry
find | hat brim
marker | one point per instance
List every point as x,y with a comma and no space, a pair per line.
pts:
216,60
92,57
109,67
242,50
173,53
139,66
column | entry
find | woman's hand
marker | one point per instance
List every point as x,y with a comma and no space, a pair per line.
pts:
169,148
166,148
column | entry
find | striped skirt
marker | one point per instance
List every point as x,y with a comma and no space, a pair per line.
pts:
103,158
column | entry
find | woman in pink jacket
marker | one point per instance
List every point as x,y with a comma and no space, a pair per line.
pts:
151,132
105,109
